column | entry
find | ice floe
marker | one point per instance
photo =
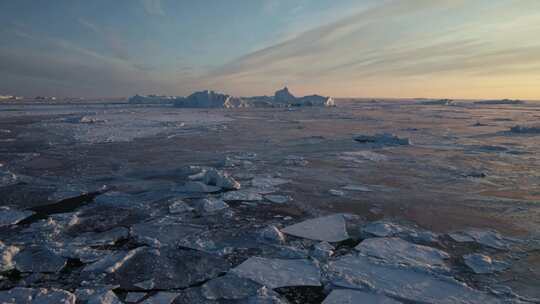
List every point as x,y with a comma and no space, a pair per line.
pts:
329,228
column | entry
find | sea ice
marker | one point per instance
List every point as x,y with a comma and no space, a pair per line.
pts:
329,228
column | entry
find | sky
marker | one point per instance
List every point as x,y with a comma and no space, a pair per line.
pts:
347,48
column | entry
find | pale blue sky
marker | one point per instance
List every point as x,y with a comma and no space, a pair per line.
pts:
343,48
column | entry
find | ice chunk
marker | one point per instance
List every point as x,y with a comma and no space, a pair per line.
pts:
10,216
348,296
397,251
20,295
364,155
199,187
335,192
359,272
162,232
211,205
488,238
112,262
220,179
384,139
329,228
277,199
248,195
167,268
322,251
382,229
273,234
179,206
7,178
109,237
134,297
358,188
229,287
483,264
6,256
97,296
39,259
161,297
267,182
276,273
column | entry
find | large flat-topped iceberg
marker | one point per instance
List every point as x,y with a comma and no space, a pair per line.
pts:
211,99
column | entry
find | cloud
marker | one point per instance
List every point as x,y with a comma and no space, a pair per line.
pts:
270,6
77,72
153,7
110,39
404,42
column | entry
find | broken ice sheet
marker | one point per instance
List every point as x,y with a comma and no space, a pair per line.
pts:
7,178
163,232
97,296
329,228
10,216
109,237
349,296
247,195
488,238
229,287
39,259
21,295
359,272
277,199
276,273
267,182
166,268
6,256
161,297
483,264
397,252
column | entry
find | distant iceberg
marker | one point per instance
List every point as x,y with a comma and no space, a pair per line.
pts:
211,99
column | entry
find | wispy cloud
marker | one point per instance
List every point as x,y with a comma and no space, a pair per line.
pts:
78,71
110,39
400,42
153,7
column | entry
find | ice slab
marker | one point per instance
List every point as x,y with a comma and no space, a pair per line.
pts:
220,179
161,297
162,232
397,252
109,237
7,178
272,234
111,262
20,295
322,251
483,264
166,268
488,238
134,297
199,187
329,228
6,256
359,272
247,195
10,216
209,205
349,296
277,199
178,206
39,259
96,296
267,182
229,287
275,273
384,139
